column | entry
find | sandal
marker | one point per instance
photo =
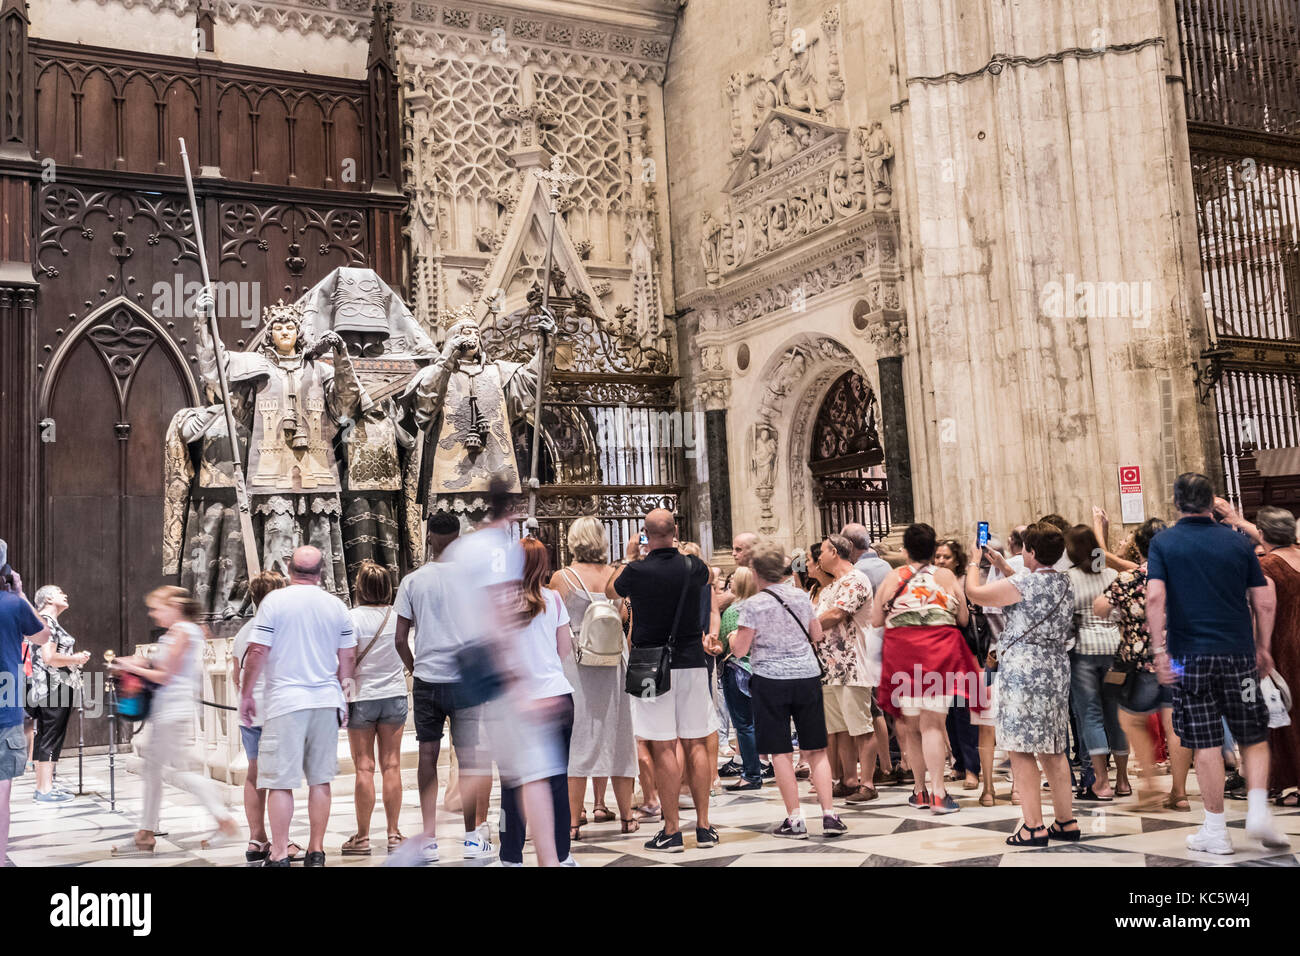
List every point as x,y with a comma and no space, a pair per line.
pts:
1291,799
356,845
630,825
1178,803
1019,839
987,798
394,841
582,818
1057,831
646,814
1126,792
601,814
1090,795
257,851
575,834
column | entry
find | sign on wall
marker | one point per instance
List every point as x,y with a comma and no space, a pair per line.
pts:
1130,495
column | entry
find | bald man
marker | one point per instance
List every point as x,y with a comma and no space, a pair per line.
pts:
664,588
303,639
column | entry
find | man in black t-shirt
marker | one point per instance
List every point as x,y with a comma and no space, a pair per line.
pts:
653,583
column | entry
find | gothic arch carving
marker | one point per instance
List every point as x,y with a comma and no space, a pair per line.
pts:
121,346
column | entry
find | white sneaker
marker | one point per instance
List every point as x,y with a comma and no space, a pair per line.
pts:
508,863
477,846
569,861
1204,842
1261,828
411,853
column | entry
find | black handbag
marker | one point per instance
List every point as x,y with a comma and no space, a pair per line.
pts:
480,680
978,634
649,669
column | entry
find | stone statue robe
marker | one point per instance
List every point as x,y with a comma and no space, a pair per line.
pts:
502,393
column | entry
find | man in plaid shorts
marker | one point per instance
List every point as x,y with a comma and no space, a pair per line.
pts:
1210,614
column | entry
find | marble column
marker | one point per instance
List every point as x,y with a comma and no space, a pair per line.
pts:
888,332
714,395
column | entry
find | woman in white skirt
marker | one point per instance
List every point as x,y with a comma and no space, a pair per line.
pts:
603,744
175,674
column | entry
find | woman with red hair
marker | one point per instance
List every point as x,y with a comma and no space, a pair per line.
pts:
534,731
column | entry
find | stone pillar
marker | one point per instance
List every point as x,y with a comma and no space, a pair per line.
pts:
889,334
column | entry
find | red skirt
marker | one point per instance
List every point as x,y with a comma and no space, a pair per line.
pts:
928,668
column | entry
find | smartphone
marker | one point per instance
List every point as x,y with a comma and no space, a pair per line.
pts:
982,535
645,544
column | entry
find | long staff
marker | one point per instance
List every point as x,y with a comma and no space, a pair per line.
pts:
241,490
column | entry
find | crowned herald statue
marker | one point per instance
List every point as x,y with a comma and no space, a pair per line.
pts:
467,405
296,404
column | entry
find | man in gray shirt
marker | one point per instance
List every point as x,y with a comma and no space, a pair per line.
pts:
864,557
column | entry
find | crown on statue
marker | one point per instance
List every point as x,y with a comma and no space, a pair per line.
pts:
448,318
284,313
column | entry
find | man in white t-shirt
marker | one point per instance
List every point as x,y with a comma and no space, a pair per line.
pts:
304,639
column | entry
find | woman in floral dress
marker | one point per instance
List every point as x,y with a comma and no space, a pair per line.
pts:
1033,719
1125,601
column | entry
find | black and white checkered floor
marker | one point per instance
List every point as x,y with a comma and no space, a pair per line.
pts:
885,832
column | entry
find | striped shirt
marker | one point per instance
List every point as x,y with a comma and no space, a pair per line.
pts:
1093,634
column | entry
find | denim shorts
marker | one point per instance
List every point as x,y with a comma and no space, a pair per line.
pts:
250,737
364,714
13,752
1143,693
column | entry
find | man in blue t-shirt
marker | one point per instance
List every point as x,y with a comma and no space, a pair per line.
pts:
18,620
1210,615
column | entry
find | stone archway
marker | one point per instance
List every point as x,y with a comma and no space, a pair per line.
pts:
795,382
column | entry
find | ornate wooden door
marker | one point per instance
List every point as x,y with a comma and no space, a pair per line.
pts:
111,393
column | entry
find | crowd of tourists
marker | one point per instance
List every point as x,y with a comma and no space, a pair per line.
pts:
944,667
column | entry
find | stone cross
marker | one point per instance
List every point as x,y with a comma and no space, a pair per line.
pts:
555,177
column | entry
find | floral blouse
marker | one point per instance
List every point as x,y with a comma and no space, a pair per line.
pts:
1127,594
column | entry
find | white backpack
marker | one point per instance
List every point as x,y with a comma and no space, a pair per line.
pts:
599,641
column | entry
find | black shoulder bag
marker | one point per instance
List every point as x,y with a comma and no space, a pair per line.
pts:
649,668
816,656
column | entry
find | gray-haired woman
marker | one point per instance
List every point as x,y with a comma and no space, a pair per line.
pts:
51,693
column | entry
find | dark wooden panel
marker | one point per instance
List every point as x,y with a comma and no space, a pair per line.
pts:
156,393
96,131
82,460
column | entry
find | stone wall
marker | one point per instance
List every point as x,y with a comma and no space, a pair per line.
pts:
1045,293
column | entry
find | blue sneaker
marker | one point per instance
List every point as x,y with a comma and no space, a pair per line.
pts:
51,797
669,844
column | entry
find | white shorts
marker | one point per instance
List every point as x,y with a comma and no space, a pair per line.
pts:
685,711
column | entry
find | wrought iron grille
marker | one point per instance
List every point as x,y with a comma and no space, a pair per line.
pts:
1240,61
854,497
1260,409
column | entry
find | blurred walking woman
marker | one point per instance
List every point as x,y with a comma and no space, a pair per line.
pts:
170,727
533,726
1033,719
